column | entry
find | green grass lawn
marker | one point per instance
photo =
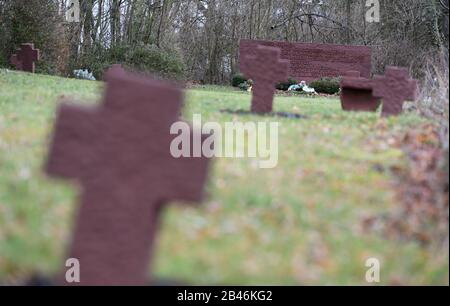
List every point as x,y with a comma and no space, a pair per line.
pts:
299,223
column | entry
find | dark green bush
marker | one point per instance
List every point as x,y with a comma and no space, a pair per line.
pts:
284,86
150,58
328,86
4,63
142,58
238,79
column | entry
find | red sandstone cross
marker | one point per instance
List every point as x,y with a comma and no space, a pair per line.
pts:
25,58
394,88
265,68
120,153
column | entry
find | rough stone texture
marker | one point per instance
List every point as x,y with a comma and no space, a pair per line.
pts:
25,58
120,153
352,74
266,69
357,93
312,61
395,87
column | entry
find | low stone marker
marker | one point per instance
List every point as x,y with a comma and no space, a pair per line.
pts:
357,93
265,68
119,152
395,87
25,58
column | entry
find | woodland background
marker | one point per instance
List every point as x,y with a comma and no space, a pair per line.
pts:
198,40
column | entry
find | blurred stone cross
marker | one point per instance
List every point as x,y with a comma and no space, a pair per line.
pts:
265,68
394,88
114,70
25,58
119,152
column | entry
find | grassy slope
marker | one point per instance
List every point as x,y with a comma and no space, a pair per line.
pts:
296,224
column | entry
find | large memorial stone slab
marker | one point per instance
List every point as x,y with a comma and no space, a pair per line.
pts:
309,62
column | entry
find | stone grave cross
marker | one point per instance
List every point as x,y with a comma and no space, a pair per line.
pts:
265,68
25,58
119,152
394,88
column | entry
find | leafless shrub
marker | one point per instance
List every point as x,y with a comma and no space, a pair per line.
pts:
433,101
